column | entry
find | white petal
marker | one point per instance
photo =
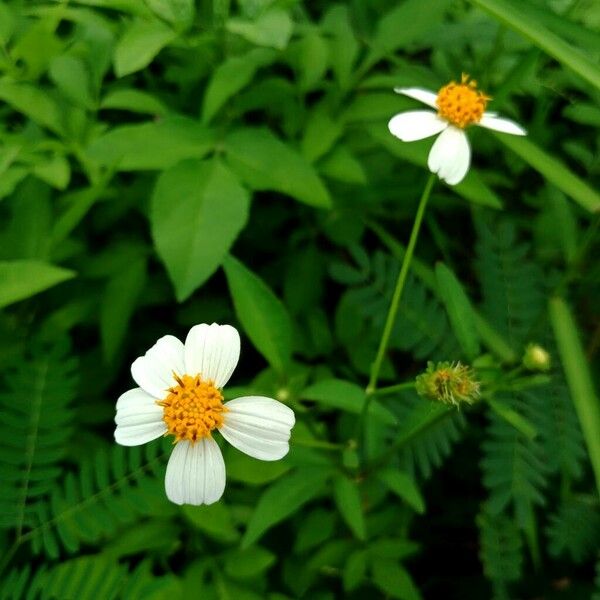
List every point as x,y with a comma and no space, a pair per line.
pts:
491,121
139,418
416,125
212,351
426,96
195,473
153,372
258,426
450,155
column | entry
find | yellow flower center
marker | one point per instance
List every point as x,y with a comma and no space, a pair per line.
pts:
193,408
461,103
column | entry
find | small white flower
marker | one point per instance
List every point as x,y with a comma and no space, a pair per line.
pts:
180,394
458,105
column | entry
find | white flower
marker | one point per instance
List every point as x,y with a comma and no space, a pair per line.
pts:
458,105
180,394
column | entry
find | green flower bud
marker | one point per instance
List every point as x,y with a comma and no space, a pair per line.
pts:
536,358
450,383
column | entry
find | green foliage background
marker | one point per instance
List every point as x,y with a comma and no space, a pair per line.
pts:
170,162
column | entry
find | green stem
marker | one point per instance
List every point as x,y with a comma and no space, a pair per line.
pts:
395,304
392,389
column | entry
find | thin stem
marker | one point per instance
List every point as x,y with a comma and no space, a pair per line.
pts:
392,389
395,304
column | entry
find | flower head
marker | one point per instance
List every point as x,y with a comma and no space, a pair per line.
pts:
458,106
450,383
179,394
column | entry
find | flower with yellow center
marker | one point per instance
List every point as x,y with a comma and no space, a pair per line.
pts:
179,394
458,106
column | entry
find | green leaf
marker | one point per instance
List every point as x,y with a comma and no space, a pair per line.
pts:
311,59
215,520
459,309
198,209
348,501
248,563
149,146
354,570
403,25
251,471
140,43
512,417
283,499
572,58
118,304
178,12
394,580
70,75
579,379
554,171
21,279
230,77
347,396
33,102
263,316
320,134
404,487
273,28
266,163
134,101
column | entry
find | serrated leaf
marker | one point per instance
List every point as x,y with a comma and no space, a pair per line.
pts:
198,209
263,316
404,487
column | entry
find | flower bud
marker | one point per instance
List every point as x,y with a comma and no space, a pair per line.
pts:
450,383
536,358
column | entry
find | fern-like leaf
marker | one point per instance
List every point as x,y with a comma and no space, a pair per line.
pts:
575,528
111,490
35,428
501,551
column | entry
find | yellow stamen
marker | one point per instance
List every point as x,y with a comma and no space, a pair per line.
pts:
192,409
461,103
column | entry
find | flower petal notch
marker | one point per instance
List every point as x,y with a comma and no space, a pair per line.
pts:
180,394
459,106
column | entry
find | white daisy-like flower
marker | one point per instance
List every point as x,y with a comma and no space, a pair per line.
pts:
458,105
180,394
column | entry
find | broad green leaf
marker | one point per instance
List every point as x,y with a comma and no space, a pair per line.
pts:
311,56
554,171
21,279
273,28
320,134
214,520
140,43
7,23
579,379
178,12
70,75
347,396
403,25
55,171
459,309
570,57
34,103
343,45
404,487
263,316
251,471
231,76
248,563
354,570
198,209
149,146
348,501
267,163
340,164
393,579
283,499
118,304
134,101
